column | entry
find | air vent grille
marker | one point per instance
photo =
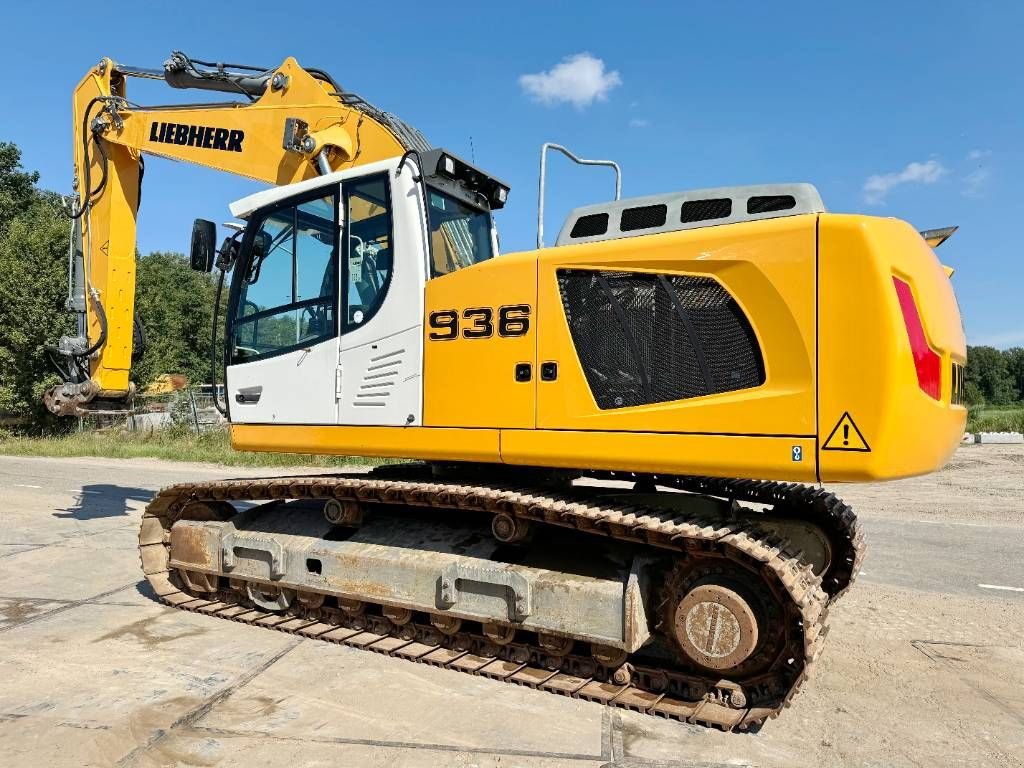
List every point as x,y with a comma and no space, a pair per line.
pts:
705,210
770,203
643,217
590,226
644,338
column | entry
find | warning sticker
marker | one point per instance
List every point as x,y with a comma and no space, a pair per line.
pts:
846,437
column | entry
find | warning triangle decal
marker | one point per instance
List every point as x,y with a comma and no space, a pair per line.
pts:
846,437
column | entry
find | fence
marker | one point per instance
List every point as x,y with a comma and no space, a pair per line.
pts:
190,409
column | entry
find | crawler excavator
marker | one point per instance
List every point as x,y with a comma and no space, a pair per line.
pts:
616,445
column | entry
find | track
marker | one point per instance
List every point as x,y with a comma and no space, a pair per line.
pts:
644,682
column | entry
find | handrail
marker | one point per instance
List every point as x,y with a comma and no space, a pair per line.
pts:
579,161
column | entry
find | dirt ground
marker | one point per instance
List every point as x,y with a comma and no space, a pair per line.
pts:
982,484
924,663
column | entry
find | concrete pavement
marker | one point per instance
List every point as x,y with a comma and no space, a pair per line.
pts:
922,666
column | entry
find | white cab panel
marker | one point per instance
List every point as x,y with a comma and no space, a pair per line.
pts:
294,388
381,382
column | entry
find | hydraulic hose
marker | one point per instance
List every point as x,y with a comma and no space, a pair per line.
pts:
222,410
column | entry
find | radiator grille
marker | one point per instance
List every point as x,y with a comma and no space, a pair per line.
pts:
644,338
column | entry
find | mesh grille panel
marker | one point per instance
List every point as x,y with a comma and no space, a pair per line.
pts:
702,210
645,338
643,217
590,226
769,203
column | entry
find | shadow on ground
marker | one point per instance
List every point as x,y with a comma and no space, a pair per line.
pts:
104,500
145,589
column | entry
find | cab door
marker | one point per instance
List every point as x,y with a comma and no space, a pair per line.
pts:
282,349
383,271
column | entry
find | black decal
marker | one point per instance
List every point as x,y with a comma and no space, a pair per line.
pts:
446,320
514,320
195,135
235,141
181,134
207,138
483,325
152,132
163,133
220,138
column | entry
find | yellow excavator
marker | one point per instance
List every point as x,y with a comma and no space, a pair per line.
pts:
616,443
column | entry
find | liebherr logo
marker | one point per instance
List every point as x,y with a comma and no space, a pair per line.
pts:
201,136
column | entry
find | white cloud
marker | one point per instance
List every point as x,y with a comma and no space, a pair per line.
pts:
879,185
978,154
579,80
638,122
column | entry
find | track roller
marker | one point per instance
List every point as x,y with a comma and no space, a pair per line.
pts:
347,513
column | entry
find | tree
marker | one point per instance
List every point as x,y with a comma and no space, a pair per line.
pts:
174,303
987,369
175,306
1015,365
33,286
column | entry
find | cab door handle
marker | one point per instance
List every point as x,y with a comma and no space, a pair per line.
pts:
249,394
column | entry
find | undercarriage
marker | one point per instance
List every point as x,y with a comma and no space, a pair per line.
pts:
697,599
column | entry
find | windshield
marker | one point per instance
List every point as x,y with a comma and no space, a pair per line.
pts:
460,235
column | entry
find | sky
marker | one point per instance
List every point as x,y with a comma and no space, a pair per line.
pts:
910,109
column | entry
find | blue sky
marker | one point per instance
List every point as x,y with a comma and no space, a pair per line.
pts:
911,110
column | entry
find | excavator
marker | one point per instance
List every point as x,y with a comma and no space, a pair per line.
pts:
614,448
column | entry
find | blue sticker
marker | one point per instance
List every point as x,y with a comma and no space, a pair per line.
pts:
798,453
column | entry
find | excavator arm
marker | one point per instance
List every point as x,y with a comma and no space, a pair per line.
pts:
293,124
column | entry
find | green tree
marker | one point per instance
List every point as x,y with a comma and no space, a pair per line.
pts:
987,369
175,306
33,286
1015,365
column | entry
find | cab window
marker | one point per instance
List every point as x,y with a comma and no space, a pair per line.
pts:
460,235
287,297
368,247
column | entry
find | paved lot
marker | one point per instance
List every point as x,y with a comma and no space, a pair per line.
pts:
922,667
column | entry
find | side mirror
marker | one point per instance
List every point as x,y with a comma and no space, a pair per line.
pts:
204,237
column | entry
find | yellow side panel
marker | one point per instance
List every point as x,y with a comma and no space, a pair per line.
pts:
866,363
767,266
469,366
396,442
768,458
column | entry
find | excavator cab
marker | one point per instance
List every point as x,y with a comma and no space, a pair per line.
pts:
326,303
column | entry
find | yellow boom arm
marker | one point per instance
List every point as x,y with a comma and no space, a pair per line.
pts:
299,124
